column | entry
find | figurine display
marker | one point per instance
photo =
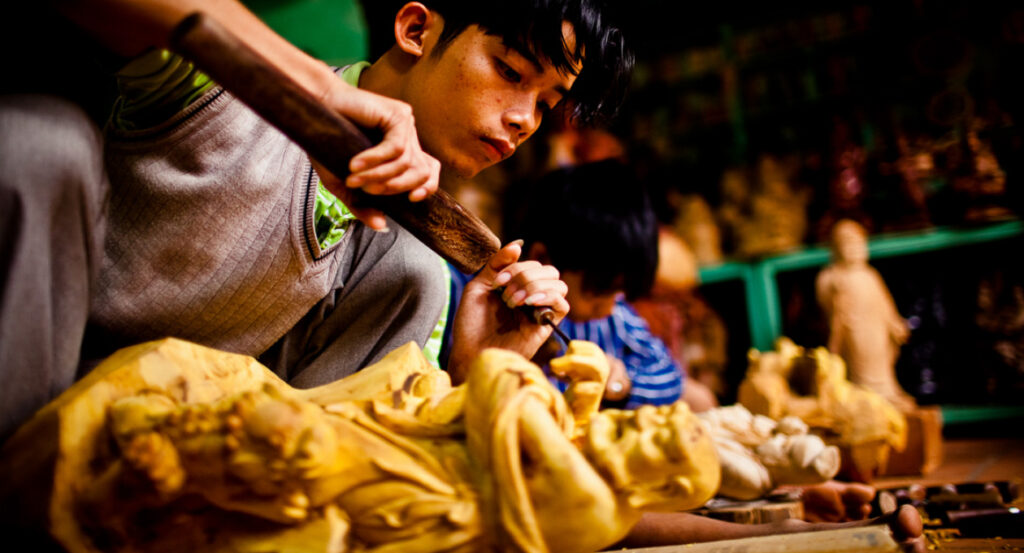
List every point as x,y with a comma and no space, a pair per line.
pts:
170,446
733,210
847,189
813,387
865,329
979,179
695,224
1000,318
768,219
693,331
674,312
916,169
759,454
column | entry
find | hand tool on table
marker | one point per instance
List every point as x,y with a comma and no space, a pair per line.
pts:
974,509
438,221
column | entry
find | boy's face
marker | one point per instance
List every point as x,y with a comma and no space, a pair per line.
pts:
478,100
583,304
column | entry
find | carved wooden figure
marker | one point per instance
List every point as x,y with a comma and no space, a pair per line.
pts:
169,446
864,327
759,454
812,386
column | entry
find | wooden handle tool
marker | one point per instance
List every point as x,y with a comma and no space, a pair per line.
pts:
439,221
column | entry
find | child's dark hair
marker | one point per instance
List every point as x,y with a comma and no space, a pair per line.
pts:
535,27
595,218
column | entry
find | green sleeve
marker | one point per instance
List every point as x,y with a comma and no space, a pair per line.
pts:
155,86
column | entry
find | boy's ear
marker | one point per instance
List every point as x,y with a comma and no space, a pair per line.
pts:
414,23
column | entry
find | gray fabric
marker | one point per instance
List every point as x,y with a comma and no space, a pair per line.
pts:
387,294
209,237
52,188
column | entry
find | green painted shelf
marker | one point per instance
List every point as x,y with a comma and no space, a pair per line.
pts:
965,414
759,276
764,314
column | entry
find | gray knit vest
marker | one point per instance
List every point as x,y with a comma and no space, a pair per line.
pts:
210,234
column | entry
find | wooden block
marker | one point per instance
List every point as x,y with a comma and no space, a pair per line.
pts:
757,511
866,539
863,462
924,445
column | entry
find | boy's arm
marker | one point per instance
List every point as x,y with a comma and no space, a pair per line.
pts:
396,165
656,529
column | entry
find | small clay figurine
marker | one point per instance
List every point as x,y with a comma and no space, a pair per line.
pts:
864,327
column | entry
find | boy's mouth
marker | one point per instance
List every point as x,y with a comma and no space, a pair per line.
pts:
500,149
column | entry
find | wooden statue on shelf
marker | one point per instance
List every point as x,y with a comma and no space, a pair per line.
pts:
695,224
768,218
979,179
169,446
865,329
916,168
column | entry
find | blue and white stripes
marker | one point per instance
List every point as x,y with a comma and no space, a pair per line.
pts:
657,378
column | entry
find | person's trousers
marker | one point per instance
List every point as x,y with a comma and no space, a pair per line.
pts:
52,192
389,290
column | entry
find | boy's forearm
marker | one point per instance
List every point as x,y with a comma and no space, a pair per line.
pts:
130,27
656,529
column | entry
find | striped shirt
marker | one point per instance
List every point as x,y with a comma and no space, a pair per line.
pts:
656,376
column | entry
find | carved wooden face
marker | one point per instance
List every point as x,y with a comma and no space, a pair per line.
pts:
659,458
850,242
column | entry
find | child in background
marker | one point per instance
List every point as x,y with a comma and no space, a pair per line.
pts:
594,223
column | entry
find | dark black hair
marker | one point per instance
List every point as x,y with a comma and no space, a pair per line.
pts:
535,27
595,218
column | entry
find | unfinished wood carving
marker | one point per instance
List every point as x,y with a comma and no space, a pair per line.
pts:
812,386
169,446
759,454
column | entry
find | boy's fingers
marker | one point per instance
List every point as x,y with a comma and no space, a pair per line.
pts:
397,183
377,155
492,274
371,218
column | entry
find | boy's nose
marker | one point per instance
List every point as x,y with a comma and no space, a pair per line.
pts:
523,121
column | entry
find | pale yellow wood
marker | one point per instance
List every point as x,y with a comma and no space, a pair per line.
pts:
864,327
812,386
170,446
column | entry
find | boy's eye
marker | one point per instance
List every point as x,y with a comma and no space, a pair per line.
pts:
507,72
